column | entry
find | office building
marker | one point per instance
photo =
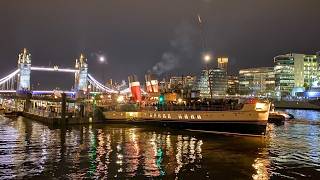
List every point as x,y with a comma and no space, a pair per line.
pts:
202,85
182,82
218,81
233,85
223,63
257,81
294,71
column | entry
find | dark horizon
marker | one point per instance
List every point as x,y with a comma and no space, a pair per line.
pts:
163,36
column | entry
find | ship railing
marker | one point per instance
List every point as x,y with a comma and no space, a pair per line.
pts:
193,108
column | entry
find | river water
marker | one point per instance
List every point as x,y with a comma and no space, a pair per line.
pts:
29,149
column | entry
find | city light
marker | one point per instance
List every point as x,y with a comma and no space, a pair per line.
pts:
102,59
207,58
55,68
120,99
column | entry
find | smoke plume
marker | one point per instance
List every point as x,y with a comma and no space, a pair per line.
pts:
181,48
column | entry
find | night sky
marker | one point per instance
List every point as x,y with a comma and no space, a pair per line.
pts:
162,36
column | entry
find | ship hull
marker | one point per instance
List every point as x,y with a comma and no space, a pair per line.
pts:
219,127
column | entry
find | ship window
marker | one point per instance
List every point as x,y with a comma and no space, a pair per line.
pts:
169,116
198,116
180,116
164,116
192,116
186,116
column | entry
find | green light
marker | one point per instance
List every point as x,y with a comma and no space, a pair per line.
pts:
161,99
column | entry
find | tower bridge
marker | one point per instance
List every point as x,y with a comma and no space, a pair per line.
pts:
19,79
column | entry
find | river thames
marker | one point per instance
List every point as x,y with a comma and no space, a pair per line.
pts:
29,149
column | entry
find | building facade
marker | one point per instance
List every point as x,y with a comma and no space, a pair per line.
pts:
218,81
295,71
182,82
202,85
223,63
257,81
233,85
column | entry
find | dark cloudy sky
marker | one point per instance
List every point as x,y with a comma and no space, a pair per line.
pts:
137,35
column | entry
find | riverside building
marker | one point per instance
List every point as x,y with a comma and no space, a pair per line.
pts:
202,85
294,73
223,63
218,81
257,81
233,85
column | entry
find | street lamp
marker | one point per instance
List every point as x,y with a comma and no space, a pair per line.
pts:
102,60
207,58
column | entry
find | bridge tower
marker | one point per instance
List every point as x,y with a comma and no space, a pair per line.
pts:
24,65
81,75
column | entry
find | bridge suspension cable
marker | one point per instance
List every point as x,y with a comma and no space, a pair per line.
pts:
9,77
100,86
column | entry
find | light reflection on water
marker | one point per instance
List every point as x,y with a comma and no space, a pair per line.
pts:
29,149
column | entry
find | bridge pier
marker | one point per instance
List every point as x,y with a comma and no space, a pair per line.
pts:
27,104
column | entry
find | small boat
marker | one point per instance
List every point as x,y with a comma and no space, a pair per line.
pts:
279,117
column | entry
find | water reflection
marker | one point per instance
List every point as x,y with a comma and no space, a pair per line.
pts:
308,115
29,149
294,148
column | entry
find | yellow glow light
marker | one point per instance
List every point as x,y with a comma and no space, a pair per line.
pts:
260,106
207,57
120,99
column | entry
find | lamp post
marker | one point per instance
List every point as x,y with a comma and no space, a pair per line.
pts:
207,58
